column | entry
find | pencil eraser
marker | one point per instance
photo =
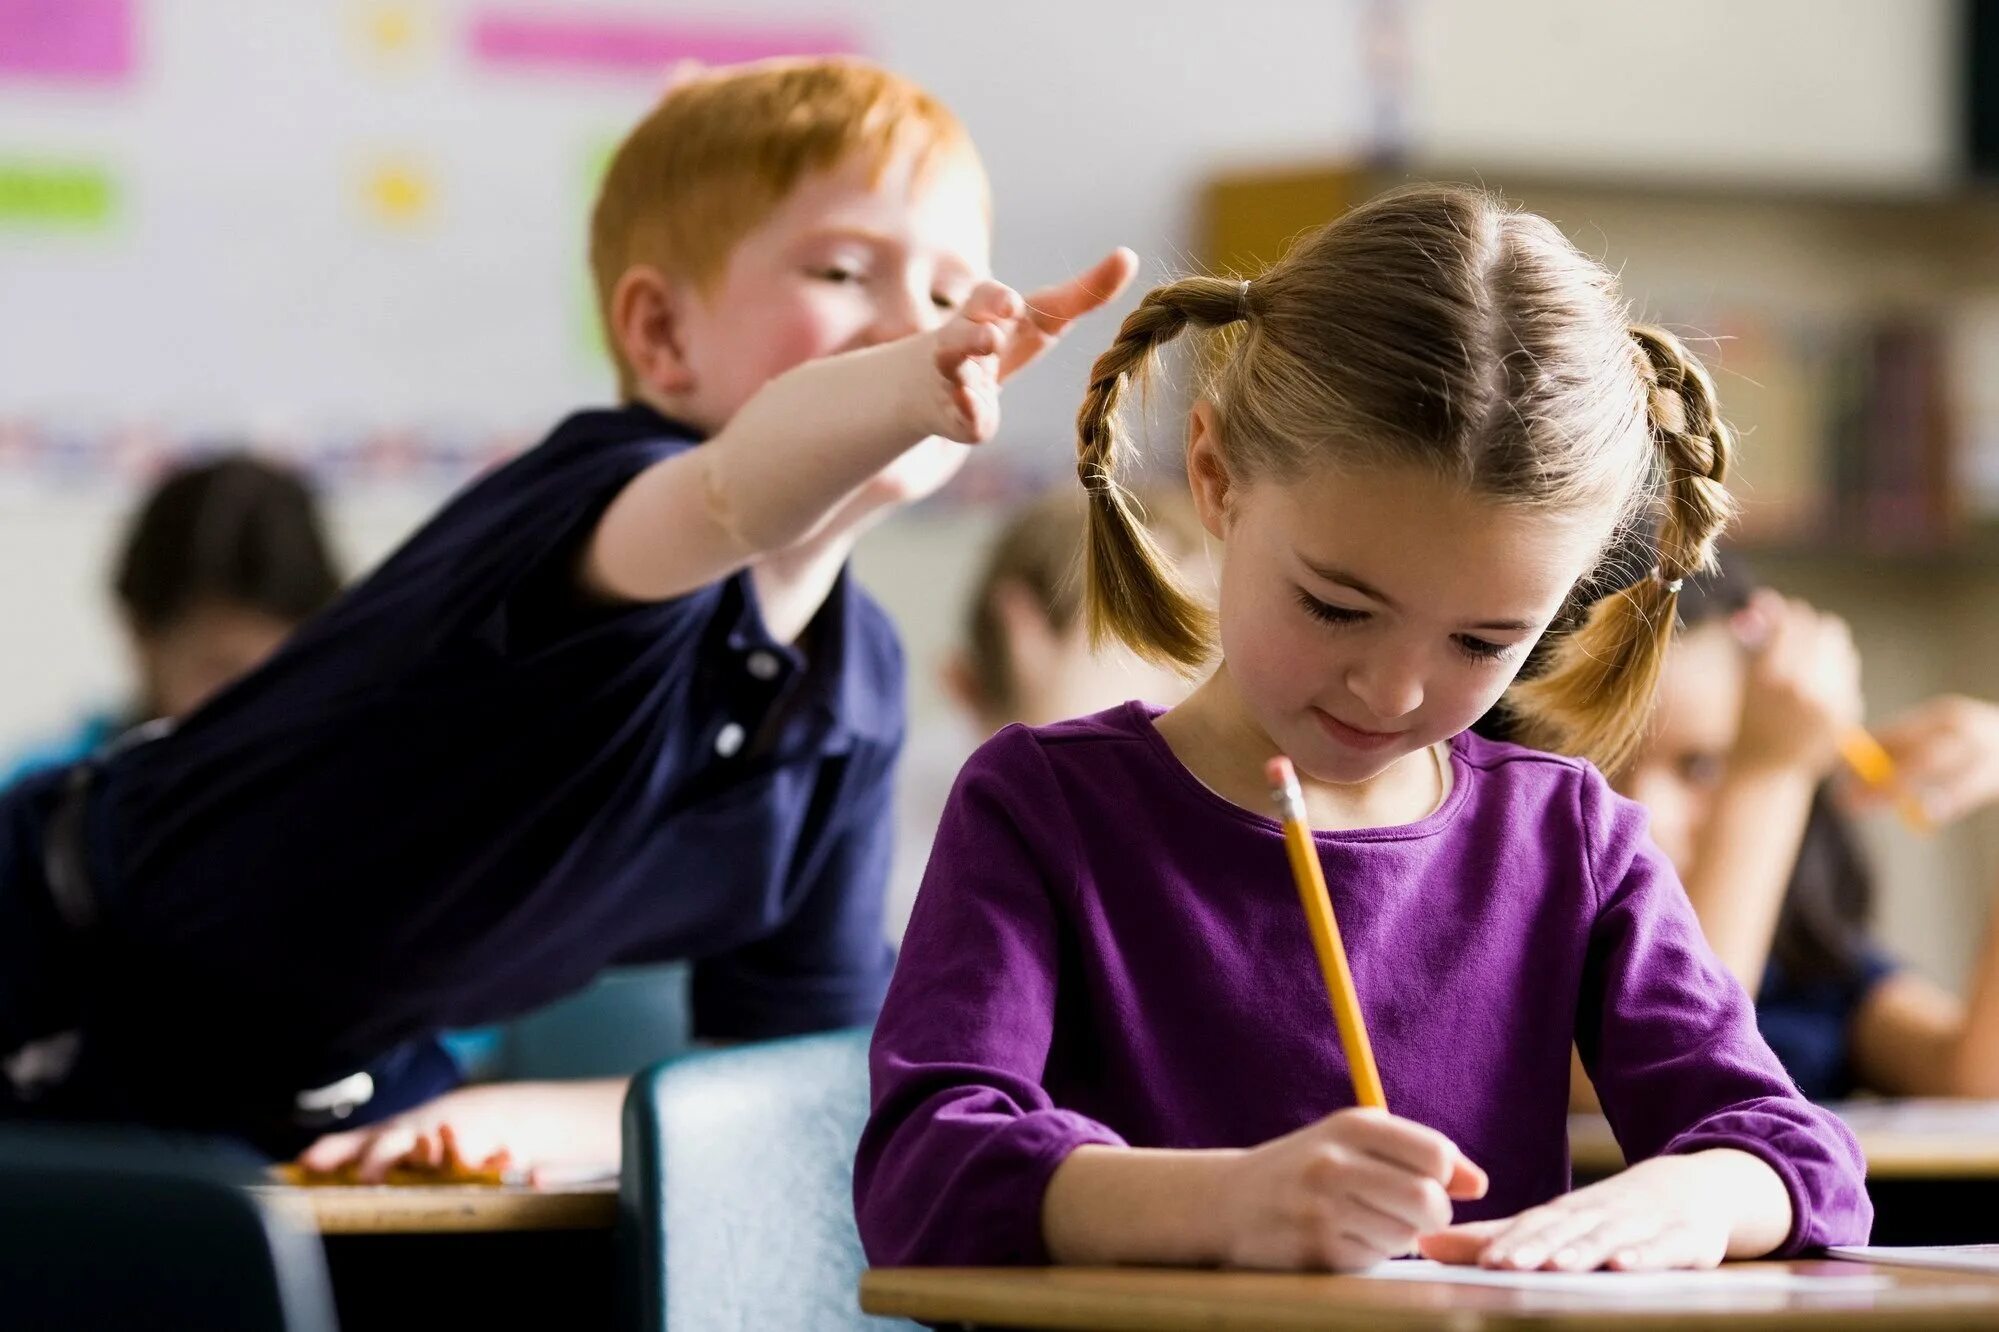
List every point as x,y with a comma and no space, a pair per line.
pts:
1279,772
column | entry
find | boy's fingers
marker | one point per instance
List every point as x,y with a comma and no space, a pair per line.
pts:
332,1151
382,1152
1463,1245
961,341
992,302
1052,308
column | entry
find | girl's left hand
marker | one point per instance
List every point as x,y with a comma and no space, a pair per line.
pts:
1946,754
1654,1216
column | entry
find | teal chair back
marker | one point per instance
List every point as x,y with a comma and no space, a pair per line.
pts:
626,1020
737,1209
108,1233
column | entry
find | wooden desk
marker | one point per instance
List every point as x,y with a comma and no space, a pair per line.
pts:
454,1256
1901,1139
339,1210
1161,1300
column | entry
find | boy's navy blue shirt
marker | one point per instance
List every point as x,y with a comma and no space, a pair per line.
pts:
466,788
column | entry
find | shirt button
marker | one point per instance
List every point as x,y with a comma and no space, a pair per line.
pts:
763,665
728,740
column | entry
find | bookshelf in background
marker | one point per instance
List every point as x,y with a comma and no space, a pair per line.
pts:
1854,338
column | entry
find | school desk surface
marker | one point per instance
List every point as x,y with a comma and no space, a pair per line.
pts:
407,1210
1164,1300
1927,1139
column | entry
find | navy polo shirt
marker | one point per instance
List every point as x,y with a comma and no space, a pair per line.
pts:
1809,1024
465,789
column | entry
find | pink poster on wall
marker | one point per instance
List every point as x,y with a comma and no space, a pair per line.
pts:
566,40
67,41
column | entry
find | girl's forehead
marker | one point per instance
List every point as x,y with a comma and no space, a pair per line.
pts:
1411,535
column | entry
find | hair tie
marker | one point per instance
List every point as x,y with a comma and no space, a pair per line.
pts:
1242,300
1672,585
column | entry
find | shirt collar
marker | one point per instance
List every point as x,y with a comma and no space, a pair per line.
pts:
852,675
622,424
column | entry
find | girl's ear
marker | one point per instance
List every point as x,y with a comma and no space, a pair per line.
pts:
1207,470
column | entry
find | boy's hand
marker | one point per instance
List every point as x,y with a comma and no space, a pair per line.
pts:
1051,310
1659,1214
995,333
991,337
967,353
1354,1188
535,1125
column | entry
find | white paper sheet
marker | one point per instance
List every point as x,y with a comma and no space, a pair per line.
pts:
1646,1285
1957,1257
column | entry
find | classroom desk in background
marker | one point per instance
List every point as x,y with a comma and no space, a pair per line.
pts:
1164,1300
1931,1166
447,1257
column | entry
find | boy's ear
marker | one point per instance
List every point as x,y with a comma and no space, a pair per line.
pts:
1207,470
646,321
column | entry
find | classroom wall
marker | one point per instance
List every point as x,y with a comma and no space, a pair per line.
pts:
262,300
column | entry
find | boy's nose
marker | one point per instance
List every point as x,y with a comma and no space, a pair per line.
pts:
903,314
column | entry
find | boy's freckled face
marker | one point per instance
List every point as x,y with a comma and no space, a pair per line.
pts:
1367,614
844,262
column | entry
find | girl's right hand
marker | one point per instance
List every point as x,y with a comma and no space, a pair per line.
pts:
1802,689
1346,1192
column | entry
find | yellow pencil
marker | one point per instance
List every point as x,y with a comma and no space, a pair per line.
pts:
1873,765
1325,932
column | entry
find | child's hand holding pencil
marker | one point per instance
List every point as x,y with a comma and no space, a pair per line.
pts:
1937,762
1359,1185
1344,1193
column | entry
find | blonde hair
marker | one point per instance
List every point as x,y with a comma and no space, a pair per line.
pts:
1040,550
723,148
1438,326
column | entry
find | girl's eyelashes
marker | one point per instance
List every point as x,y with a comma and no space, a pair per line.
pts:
1479,649
1475,648
1326,612
836,273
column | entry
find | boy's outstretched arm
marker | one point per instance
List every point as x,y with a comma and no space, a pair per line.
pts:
812,456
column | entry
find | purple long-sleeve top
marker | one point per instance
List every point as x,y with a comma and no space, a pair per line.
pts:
1105,951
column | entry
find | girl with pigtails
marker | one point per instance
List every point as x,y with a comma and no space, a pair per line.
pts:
1419,438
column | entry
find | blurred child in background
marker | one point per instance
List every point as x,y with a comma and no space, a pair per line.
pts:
1756,694
223,559
1024,655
